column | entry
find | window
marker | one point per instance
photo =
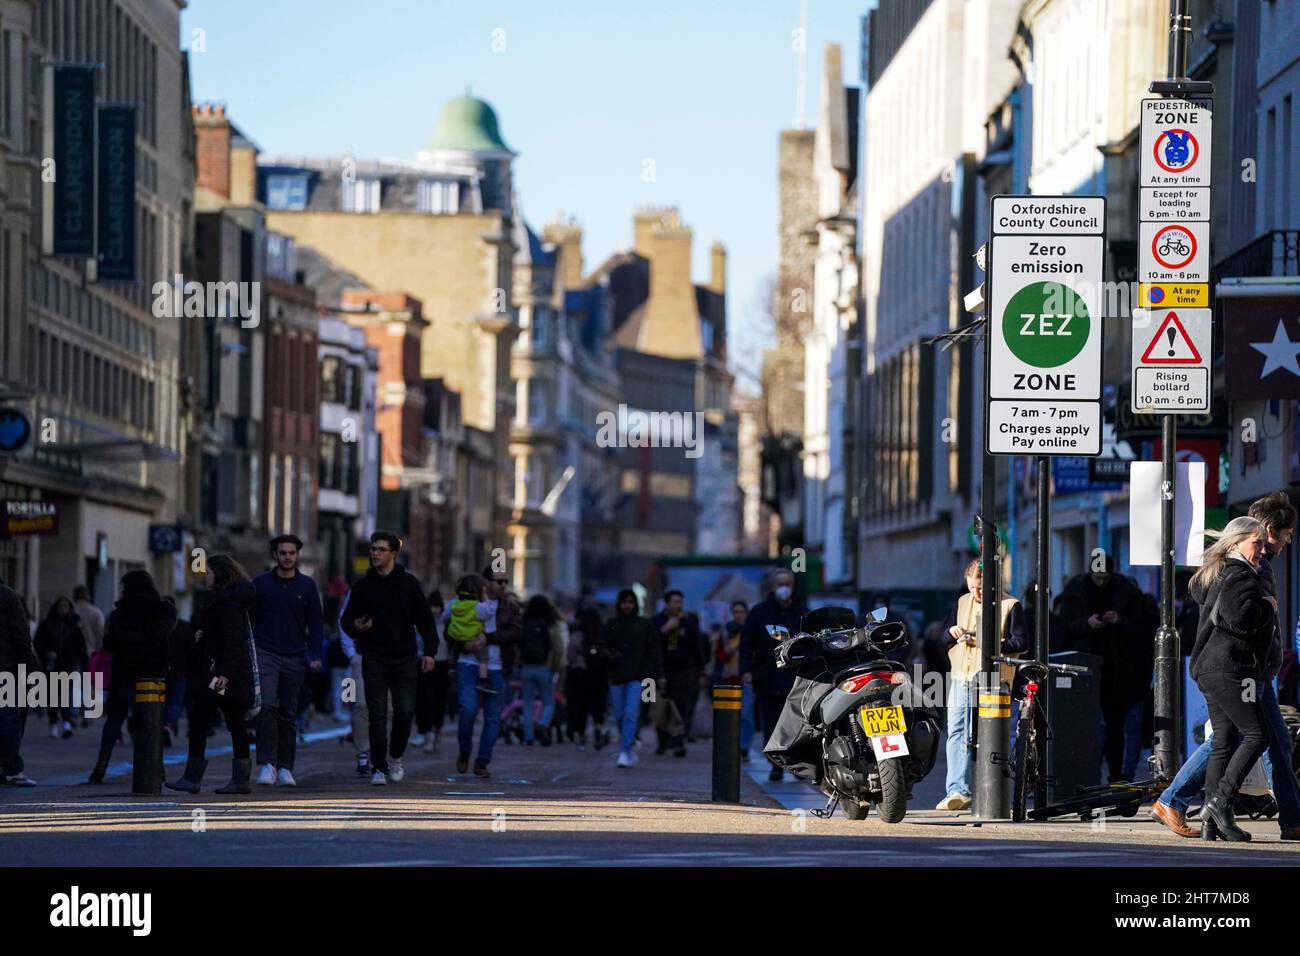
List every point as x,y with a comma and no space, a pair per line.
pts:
360,196
706,336
286,192
329,448
329,379
535,479
541,328
539,401
438,197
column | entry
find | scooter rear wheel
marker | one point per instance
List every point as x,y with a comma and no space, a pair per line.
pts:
893,786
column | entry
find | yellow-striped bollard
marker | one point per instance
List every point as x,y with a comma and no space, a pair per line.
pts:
147,735
726,743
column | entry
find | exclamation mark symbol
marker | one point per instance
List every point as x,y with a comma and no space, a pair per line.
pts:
1172,332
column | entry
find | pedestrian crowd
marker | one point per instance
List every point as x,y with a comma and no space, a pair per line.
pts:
397,665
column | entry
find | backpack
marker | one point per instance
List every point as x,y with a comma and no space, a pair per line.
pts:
535,644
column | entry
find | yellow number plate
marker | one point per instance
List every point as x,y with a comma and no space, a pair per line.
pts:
877,721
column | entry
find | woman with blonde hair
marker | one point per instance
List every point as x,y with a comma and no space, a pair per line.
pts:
1227,663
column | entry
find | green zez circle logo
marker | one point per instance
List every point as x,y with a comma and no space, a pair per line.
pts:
1045,324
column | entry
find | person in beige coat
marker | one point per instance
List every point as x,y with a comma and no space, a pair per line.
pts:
963,676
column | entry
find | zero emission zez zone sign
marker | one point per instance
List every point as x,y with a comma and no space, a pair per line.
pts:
1044,353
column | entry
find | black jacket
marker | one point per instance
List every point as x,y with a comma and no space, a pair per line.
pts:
629,646
759,639
1127,648
15,632
684,648
137,633
61,645
225,649
398,608
1236,627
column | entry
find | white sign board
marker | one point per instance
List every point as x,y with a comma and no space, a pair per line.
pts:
1175,142
1171,360
1173,251
1145,479
1174,204
1045,325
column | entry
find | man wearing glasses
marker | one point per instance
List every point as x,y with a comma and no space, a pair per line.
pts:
387,617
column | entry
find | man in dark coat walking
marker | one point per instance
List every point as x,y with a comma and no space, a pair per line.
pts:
1106,614
771,621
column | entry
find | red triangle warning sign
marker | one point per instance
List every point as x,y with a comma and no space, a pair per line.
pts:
1171,345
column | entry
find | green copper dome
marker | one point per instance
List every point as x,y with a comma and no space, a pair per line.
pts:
469,124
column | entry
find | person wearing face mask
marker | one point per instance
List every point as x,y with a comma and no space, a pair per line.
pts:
771,621
1107,614
1231,656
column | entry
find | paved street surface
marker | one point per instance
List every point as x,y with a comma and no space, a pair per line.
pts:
543,807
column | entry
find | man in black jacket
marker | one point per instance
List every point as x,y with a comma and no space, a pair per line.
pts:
685,652
1106,614
633,658
770,622
386,615
15,649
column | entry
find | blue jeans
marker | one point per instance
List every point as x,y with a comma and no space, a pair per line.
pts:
627,711
747,704
538,681
958,746
467,697
1190,779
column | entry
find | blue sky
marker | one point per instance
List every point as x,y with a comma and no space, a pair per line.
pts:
585,90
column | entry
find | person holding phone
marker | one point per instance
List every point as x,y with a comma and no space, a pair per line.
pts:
964,662
226,653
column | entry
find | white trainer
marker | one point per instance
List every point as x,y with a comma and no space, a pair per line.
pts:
266,775
431,744
954,801
417,740
284,777
624,760
395,770
54,731
377,779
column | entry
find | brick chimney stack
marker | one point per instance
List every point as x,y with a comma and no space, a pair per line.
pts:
567,236
718,281
212,141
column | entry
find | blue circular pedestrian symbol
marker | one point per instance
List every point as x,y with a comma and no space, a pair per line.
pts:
15,429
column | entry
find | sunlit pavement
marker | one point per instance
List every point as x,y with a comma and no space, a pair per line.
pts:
542,807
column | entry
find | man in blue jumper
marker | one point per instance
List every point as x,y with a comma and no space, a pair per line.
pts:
287,631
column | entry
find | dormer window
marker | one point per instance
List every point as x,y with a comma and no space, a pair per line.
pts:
361,195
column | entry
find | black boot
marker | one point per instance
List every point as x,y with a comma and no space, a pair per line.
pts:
101,765
193,776
1218,820
239,771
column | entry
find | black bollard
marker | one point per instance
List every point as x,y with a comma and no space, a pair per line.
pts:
147,736
726,743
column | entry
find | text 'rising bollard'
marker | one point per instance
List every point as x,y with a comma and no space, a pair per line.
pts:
726,743
147,736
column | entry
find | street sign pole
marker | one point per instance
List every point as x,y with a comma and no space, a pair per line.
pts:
1043,371
1167,658
1041,622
